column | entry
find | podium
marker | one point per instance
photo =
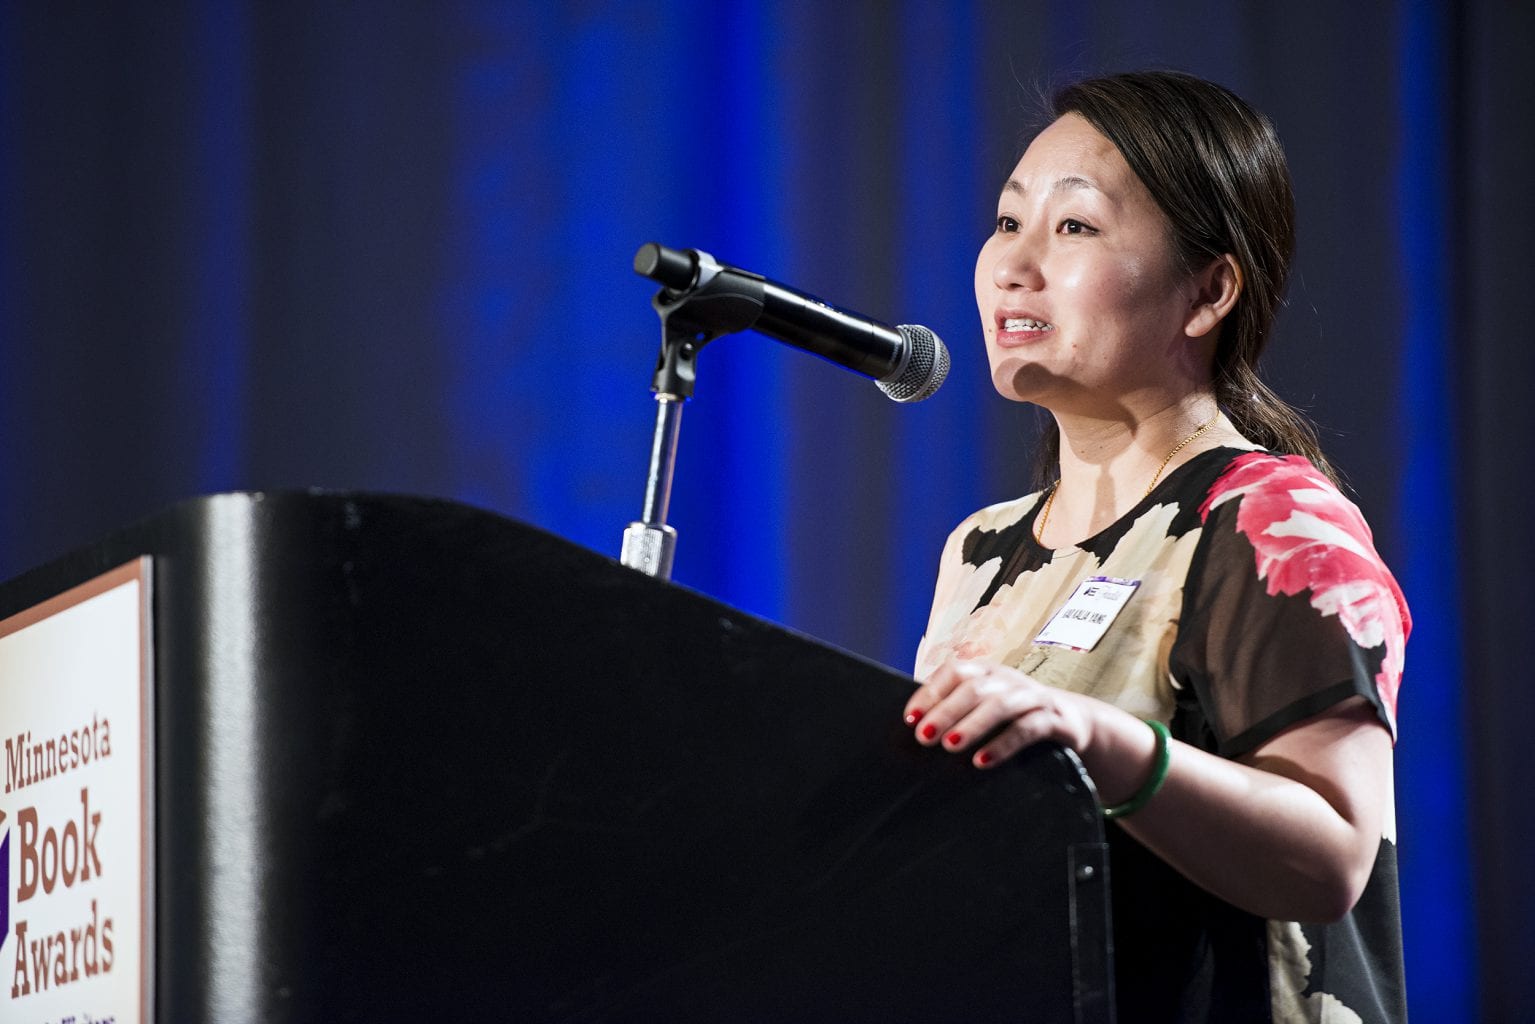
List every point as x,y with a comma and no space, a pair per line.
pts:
415,761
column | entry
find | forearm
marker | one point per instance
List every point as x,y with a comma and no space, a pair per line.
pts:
1258,837
1292,834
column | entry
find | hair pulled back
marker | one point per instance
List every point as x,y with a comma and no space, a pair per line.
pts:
1214,166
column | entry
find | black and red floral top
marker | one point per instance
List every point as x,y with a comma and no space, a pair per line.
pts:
1256,599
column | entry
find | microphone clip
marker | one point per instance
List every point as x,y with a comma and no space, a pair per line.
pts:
700,300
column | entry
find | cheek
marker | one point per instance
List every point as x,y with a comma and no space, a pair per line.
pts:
1119,289
985,261
1151,299
1130,280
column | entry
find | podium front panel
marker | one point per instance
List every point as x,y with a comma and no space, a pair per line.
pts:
413,759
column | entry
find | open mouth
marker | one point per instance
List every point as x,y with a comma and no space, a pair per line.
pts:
1013,325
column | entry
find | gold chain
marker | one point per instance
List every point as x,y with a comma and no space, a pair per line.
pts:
1179,447
1044,513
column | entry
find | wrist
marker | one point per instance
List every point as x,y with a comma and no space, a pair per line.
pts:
1161,757
1121,753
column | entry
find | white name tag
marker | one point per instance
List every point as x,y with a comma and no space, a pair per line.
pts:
1088,613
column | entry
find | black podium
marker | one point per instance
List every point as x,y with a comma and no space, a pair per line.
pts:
414,761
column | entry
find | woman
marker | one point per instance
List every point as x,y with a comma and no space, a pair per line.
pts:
1192,569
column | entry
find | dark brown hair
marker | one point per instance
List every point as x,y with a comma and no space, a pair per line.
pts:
1215,168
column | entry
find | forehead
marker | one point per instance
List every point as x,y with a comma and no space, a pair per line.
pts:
1071,153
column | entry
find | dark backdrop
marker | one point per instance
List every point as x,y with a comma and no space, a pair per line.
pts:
387,246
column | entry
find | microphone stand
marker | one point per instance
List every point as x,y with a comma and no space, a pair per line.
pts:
692,315
650,544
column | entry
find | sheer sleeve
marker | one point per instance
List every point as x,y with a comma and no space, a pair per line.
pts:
1288,609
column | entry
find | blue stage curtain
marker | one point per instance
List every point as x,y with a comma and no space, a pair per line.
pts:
387,246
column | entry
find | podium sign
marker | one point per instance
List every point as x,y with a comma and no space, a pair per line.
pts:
74,814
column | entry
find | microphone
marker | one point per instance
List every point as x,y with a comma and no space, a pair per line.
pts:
907,362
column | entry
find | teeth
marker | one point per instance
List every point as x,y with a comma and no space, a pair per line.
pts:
1025,324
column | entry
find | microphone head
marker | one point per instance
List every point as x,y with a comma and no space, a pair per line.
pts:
923,370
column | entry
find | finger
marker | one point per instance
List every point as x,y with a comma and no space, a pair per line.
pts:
992,698
936,687
959,701
1020,733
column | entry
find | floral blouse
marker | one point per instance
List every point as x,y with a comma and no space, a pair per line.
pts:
1255,599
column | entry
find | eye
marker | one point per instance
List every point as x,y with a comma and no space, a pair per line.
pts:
1006,225
1071,226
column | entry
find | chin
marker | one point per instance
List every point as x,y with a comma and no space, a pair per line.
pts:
1021,380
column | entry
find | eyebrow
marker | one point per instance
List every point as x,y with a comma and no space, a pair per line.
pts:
1067,184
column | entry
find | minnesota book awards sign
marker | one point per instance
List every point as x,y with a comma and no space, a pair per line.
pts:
74,806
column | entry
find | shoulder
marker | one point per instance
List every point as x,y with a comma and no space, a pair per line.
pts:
1284,505
1288,480
998,517
1279,522
982,530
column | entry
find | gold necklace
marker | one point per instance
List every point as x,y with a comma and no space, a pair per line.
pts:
1044,513
1179,447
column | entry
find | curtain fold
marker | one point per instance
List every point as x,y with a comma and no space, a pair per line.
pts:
387,247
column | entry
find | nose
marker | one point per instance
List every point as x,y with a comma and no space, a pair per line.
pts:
1018,265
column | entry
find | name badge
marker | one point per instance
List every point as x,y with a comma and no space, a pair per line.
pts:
1088,613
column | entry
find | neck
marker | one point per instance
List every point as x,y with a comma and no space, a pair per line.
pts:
1108,465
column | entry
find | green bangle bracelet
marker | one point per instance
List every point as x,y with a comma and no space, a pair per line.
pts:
1158,776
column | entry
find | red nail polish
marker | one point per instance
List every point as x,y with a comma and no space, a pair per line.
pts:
953,739
983,758
929,731
913,716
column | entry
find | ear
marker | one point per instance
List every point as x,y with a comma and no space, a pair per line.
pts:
1216,290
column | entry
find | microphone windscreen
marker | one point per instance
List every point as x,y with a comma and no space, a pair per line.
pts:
927,364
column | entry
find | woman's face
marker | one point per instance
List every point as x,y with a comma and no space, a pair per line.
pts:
1080,298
